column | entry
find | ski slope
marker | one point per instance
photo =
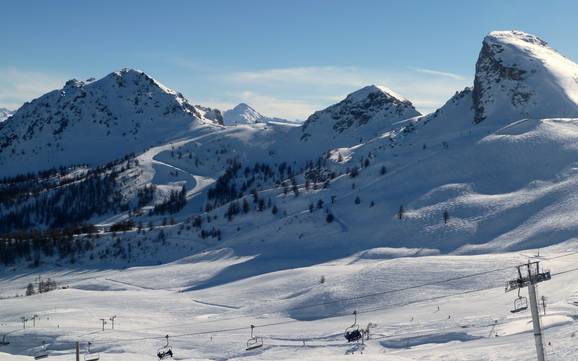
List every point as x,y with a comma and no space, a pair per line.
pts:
473,321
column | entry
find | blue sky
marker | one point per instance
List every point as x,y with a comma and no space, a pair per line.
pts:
286,58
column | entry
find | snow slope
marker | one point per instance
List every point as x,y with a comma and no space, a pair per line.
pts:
456,320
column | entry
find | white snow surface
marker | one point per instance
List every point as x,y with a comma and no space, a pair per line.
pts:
461,323
506,180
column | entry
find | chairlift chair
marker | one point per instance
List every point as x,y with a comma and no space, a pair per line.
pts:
3,342
90,356
42,353
520,304
254,342
166,351
353,333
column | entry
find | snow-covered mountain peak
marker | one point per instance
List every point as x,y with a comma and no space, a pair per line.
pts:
242,114
513,37
375,91
244,107
364,113
245,114
92,122
518,75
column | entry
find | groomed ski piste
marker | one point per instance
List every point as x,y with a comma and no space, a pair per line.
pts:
417,308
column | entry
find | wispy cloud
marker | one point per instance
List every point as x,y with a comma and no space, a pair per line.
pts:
319,86
296,92
19,86
438,73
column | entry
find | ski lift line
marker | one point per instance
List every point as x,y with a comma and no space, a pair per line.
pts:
561,256
391,291
564,272
358,297
332,302
272,324
109,341
395,290
295,321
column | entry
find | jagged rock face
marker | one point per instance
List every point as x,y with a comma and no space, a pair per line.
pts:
94,121
372,106
5,114
519,76
211,114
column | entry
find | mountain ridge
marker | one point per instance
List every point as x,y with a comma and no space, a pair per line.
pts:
370,167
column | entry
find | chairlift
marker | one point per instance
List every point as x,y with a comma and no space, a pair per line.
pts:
166,351
254,342
520,303
42,353
353,333
90,356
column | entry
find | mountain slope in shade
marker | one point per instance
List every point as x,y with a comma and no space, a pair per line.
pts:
245,114
4,114
518,75
93,122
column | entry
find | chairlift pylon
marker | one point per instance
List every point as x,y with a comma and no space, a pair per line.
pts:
166,351
353,333
254,342
89,355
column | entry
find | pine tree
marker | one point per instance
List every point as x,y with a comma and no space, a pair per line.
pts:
30,290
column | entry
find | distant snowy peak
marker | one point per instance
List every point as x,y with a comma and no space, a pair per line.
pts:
242,114
5,114
245,114
518,75
95,121
373,107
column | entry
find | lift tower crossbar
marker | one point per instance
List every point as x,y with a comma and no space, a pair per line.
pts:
529,275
